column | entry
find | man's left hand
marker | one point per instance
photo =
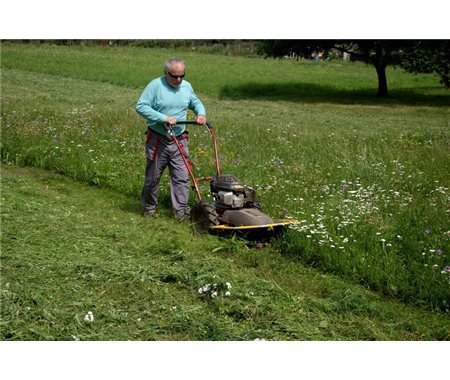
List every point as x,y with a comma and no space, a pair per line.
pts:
200,119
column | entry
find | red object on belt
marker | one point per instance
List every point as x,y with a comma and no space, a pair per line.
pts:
149,137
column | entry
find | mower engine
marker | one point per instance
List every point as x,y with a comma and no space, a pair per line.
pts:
236,203
230,193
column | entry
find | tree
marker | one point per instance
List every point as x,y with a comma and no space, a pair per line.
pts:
292,48
429,57
379,53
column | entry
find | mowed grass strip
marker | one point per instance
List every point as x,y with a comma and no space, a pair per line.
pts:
69,249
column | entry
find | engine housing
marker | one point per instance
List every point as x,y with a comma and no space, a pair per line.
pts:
230,193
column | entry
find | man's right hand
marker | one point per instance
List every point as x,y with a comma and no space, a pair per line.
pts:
171,120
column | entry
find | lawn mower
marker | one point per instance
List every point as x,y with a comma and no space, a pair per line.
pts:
235,210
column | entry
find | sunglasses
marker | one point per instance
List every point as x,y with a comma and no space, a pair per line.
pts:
175,76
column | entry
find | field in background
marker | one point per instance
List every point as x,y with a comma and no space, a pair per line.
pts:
367,178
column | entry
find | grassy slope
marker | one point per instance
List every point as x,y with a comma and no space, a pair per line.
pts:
239,77
68,248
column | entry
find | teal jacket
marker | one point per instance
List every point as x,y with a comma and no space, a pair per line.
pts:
160,100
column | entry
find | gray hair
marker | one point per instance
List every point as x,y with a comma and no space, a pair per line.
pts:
168,64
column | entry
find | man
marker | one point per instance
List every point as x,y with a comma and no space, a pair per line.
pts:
166,100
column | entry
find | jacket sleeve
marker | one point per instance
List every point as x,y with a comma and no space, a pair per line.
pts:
144,105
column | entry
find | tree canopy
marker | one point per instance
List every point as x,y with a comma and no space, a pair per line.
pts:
414,56
429,57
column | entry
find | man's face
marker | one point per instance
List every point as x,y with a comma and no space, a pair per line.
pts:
175,74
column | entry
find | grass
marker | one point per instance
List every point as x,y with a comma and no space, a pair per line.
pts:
367,178
68,249
240,77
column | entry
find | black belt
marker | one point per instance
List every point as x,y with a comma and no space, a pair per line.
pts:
183,136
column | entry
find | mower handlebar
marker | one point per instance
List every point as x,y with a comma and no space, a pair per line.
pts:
169,130
167,125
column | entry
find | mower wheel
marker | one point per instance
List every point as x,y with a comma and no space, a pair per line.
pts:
203,216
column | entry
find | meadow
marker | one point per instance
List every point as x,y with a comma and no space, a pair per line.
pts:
367,178
80,264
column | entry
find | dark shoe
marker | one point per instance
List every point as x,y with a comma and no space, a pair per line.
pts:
149,214
185,216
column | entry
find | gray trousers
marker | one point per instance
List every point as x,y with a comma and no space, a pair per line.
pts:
162,153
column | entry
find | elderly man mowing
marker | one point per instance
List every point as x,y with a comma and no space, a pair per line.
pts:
165,100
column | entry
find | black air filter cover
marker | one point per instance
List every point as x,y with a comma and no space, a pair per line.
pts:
226,182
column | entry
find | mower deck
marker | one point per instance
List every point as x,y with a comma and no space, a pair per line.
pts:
252,233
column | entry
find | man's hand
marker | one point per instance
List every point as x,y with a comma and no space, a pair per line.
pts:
200,119
171,120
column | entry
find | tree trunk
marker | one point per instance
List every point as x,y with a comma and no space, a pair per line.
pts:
382,81
445,80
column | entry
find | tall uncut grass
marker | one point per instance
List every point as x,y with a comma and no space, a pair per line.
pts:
366,178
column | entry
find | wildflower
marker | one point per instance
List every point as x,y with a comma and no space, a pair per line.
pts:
228,285
204,288
227,293
89,317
